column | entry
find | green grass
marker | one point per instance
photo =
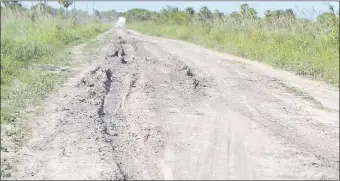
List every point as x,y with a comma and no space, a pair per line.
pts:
304,48
25,44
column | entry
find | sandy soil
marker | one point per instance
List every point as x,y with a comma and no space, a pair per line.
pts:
153,108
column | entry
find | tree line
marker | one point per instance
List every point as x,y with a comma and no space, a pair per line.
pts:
171,14
65,10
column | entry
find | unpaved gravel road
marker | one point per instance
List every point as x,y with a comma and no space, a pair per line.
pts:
153,108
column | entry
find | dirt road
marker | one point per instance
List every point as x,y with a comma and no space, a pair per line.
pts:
153,108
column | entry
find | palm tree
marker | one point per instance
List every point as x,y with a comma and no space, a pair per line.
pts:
65,4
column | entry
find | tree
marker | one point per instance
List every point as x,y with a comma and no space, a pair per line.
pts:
97,14
7,3
205,13
328,18
138,14
175,10
110,15
331,9
244,8
271,16
13,5
190,11
267,13
235,14
169,9
247,12
47,9
289,13
218,14
65,3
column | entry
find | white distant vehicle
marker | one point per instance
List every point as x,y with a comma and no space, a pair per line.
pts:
121,22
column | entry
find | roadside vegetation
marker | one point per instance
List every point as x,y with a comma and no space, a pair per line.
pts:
34,37
281,39
31,40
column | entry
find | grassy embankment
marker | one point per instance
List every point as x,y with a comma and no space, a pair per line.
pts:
304,47
27,44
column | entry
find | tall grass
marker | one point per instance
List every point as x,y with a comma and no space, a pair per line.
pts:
304,47
27,42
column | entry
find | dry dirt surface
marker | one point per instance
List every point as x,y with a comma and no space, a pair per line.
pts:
154,108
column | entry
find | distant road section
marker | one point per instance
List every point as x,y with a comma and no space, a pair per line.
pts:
121,22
